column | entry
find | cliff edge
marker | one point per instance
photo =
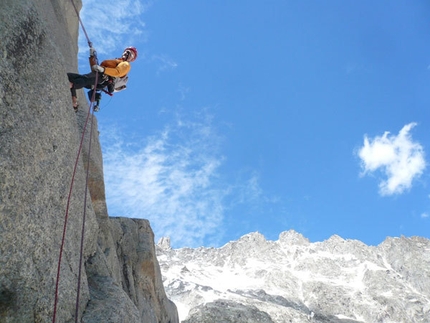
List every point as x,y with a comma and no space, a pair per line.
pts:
39,140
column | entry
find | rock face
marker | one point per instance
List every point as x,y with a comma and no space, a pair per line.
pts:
293,280
39,140
227,312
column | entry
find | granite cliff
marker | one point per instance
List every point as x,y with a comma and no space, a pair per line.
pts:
39,140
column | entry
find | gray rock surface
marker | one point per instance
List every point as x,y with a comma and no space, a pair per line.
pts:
227,311
294,280
39,140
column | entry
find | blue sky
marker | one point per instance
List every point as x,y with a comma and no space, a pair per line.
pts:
245,116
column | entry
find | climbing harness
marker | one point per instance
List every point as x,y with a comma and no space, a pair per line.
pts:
88,119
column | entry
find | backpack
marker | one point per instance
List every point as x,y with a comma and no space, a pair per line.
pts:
120,83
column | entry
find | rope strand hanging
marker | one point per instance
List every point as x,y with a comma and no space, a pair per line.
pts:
81,250
90,44
90,113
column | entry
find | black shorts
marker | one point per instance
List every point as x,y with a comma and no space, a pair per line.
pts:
83,80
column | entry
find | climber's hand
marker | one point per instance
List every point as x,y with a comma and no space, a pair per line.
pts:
98,68
93,52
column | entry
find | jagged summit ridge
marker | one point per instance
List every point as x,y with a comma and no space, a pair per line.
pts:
292,279
164,243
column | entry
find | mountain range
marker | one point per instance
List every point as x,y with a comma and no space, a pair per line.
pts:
293,280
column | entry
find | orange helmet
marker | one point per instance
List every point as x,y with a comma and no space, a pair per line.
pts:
130,54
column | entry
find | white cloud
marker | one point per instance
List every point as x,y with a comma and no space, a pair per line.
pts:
112,25
424,215
173,179
399,157
248,190
164,63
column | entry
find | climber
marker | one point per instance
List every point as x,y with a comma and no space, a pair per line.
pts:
112,74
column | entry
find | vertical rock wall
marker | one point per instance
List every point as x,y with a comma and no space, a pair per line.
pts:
39,139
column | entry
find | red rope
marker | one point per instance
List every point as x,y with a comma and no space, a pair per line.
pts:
81,252
70,194
66,218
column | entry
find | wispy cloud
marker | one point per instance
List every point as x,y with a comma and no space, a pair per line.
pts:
424,215
164,62
112,25
173,179
399,157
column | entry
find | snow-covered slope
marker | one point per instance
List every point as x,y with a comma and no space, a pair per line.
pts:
293,280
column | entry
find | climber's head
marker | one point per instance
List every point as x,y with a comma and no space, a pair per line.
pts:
130,54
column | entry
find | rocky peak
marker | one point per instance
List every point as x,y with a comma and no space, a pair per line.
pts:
292,237
294,280
164,243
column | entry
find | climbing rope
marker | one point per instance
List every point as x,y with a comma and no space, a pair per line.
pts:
67,212
81,251
90,113
82,25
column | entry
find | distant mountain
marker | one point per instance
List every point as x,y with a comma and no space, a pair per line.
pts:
293,280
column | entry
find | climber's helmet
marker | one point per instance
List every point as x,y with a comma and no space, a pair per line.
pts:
130,54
